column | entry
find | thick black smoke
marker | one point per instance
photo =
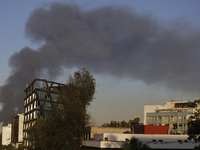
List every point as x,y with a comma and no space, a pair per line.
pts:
112,40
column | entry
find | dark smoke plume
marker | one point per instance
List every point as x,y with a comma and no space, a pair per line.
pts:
112,40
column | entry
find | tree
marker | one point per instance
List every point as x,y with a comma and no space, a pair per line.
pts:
194,122
8,147
51,133
76,97
11,147
122,124
65,125
135,144
136,120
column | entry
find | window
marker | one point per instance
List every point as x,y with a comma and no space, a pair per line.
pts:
31,116
36,114
180,119
41,94
165,119
38,104
174,126
184,126
159,119
180,127
34,104
34,96
54,96
149,119
174,119
184,118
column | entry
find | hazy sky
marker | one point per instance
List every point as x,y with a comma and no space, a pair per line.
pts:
140,51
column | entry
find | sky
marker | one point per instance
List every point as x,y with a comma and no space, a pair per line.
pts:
141,52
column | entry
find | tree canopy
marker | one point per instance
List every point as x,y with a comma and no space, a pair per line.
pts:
65,125
194,123
122,124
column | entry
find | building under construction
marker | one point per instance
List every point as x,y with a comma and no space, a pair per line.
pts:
40,95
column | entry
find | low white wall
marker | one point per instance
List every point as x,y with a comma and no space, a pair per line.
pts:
156,145
102,144
141,137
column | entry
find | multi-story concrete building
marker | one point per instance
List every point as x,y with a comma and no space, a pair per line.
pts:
40,95
91,131
17,128
173,113
6,134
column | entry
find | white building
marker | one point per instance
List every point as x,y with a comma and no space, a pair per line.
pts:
173,113
115,141
6,134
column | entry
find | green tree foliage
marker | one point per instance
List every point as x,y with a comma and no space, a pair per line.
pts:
194,123
50,133
136,120
8,147
65,125
11,147
20,147
122,124
135,144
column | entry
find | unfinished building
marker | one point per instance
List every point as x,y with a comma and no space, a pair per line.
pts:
40,95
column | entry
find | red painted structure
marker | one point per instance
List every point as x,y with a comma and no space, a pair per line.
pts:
150,129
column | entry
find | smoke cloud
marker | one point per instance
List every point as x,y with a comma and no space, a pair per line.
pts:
113,40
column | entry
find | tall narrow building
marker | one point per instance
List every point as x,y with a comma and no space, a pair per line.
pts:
6,134
17,128
40,94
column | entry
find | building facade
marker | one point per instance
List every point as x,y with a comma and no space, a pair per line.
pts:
173,113
17,128
150,129
6,134
40,95
91,131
